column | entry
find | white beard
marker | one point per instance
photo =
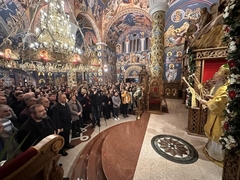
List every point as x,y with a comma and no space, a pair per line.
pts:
215,87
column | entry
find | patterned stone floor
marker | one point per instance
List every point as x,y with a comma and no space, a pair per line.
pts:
174,149
152,166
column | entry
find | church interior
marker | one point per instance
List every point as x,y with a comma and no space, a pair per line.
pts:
133,89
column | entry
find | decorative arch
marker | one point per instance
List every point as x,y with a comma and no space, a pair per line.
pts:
131,69
94,26
128,31
120,14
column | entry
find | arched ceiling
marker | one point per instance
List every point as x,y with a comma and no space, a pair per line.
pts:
126,23
115,17
109,19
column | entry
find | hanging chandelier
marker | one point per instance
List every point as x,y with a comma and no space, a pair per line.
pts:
55,32
53,40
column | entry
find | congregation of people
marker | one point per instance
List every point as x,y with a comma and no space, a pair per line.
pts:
29,114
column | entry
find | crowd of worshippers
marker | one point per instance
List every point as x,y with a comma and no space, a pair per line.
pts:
30,114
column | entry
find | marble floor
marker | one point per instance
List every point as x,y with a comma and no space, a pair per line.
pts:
150,165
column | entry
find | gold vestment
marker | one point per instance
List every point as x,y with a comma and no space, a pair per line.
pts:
216,105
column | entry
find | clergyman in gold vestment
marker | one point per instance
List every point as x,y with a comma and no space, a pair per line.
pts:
216,105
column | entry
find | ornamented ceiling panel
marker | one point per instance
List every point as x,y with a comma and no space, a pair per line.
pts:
113,7
106,9
125,24
13,17
105,13
105,17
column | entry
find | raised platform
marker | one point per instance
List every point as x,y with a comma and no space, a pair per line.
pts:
113,154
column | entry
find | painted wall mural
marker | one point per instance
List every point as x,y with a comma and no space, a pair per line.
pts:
102,11
132,53
126,22
14,17
90,37
176,24
110,59
110,56
93,7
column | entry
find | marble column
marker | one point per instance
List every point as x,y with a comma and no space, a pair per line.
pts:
142,44
127,43
127,46
157,11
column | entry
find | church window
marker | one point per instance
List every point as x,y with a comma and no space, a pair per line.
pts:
147,43
131,43
138,45
123,47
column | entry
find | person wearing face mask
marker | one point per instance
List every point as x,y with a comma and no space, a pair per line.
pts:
36,128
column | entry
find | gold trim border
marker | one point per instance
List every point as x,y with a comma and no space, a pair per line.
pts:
211,53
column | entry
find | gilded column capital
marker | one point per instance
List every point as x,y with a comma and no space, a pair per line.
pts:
157,5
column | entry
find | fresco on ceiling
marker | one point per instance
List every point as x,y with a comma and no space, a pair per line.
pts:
103,10
172,2
125,23
176,24
112,7
13,18
132,50
93,7
83,22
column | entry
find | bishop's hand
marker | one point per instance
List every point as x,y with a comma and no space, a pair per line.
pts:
208,96
202,101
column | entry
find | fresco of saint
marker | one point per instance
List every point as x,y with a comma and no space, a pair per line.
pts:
171,73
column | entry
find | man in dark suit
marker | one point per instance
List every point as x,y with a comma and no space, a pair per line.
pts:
62,118
52,99
45,102
35,128
18,100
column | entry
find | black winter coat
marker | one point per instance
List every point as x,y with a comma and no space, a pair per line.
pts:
36,131
62,116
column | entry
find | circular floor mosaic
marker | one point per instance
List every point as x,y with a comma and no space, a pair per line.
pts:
174,149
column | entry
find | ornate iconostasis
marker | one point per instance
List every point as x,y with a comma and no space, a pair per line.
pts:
14,77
